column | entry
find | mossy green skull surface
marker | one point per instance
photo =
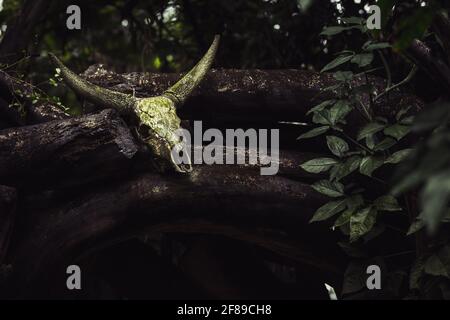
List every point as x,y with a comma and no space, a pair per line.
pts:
158,124
157,120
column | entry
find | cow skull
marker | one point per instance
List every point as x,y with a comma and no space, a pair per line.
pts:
157,120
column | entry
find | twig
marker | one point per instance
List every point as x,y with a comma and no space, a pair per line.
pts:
407,79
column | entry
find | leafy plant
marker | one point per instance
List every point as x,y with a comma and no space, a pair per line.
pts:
360,195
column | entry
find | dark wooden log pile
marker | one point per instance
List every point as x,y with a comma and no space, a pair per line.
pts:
74,186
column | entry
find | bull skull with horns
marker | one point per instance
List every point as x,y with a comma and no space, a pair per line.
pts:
156,116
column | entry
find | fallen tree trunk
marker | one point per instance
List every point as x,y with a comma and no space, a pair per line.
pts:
69,151
249,94
76,151
73,215
270,212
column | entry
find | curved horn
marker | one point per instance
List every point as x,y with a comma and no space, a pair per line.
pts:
181,90
102,96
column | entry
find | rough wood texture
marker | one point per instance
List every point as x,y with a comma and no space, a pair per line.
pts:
268,212
248,94
71,150
436,68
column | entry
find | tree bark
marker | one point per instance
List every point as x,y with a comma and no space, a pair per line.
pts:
60,219
255,95
432,65
71,152
269,212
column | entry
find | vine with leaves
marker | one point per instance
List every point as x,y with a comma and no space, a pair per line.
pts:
357,161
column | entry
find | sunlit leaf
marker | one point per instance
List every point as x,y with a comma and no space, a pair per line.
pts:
397,131
387,203
337,62
369,164
332,189
398,156
363,59
322,117
369,129
337,146
314,132
318,165
321,106
385,144
328,210
362,222
339,111
341,170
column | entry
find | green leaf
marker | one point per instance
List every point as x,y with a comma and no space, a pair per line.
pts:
370,129
353,20
362,222
337,62
341,170
370,141
343,75
321,106
387,203
369,164
318,165
398,156
328,210
377,46
337,146
304,5
322,117
354,278
331,189
436,267
339,111
435,197
416,273
314,132
344,218
363,59
334,30
385,144
415,226
397,131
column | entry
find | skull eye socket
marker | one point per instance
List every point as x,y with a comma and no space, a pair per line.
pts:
143,132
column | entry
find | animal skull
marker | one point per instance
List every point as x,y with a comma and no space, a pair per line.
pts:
156,116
